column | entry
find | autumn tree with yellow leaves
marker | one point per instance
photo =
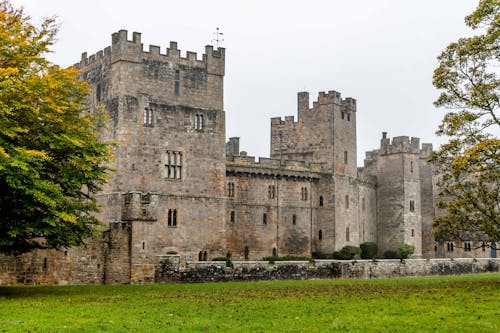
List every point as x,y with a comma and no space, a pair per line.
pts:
51,158
469,164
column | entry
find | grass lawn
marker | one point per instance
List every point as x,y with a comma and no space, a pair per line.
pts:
468,303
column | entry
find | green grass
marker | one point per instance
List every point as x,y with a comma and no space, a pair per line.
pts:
469,303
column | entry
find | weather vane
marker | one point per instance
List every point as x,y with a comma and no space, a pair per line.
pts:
218,37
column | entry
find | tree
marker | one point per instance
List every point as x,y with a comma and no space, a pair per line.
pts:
51,159
469,164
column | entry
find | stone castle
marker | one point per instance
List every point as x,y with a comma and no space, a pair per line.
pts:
181,192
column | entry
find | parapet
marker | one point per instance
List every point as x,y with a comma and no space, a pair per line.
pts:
132,50
402,144
333,97
273,167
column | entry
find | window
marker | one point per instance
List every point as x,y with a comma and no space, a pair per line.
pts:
177,83
348,116
98,92
275,252
198,122
412,232
264,219
345,156
411,166
321,201
342,114
435,248
143,245
271,191
346,201
467,247
294,219
202,256
232,216
412,205
146,198
304,193
449,247
230,190
173,165
246,252
320,235
363,204
172,218
148,117
347,236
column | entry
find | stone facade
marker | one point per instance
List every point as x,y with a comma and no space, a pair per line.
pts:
180,192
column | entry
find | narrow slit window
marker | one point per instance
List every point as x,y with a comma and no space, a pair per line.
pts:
320,235
148,117
177,83
264,219
412,205
294,219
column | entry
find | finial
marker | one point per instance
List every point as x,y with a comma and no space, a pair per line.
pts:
218,38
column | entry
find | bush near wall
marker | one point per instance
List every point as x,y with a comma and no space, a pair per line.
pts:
369,250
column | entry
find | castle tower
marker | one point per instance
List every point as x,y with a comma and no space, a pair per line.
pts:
166,116
403,185
325,133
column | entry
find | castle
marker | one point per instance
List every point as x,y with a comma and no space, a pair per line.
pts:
179,190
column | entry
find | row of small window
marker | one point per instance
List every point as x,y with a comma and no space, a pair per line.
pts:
232,218
271,192
467,247
345,115
148,119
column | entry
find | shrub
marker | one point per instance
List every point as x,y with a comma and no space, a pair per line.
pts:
390,254
348,252
368,250
227,259
321,255
405,251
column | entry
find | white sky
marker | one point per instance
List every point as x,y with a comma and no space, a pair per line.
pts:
381,53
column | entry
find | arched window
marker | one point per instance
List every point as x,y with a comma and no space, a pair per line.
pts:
200,256
320,235
294,219
264,218
205,256
321,201
275,252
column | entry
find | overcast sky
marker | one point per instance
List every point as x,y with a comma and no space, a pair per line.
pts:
380,52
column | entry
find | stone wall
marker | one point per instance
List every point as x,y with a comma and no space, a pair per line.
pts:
322,269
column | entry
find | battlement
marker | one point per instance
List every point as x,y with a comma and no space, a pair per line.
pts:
403,144
333,97
132,50
288,120
274,163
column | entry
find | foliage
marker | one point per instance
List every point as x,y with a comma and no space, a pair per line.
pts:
465,303
348,252
469,164
405,251
227,259
51,161
369,250
321,255
391,254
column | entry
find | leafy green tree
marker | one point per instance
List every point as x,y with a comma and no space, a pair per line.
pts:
51,159
469,164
